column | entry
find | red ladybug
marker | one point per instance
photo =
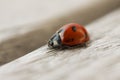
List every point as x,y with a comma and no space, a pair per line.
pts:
68,36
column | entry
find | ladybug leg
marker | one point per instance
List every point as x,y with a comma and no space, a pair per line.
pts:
64,47
81,45
70,47
84,45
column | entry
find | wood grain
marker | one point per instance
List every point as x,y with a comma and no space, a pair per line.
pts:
99,61
23,25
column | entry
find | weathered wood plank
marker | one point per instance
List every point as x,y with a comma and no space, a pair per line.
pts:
99,61
23,25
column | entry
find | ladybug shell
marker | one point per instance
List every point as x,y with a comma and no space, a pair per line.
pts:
74,34
69,35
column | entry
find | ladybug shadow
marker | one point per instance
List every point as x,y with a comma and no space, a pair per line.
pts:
74,47
61,50
64,47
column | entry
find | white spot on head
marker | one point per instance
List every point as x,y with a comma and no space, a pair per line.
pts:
60,34
55,43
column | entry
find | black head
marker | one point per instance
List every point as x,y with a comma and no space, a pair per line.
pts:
55,41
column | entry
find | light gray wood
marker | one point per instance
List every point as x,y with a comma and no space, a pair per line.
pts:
19,35
100,60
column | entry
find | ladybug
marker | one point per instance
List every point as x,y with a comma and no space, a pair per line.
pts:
69,35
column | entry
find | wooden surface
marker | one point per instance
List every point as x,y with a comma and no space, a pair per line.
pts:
99,61
22,26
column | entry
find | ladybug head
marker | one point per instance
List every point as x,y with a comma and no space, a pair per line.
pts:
55,41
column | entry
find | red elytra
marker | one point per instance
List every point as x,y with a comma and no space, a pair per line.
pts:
68,36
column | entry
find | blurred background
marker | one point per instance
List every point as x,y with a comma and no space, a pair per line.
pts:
26,25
